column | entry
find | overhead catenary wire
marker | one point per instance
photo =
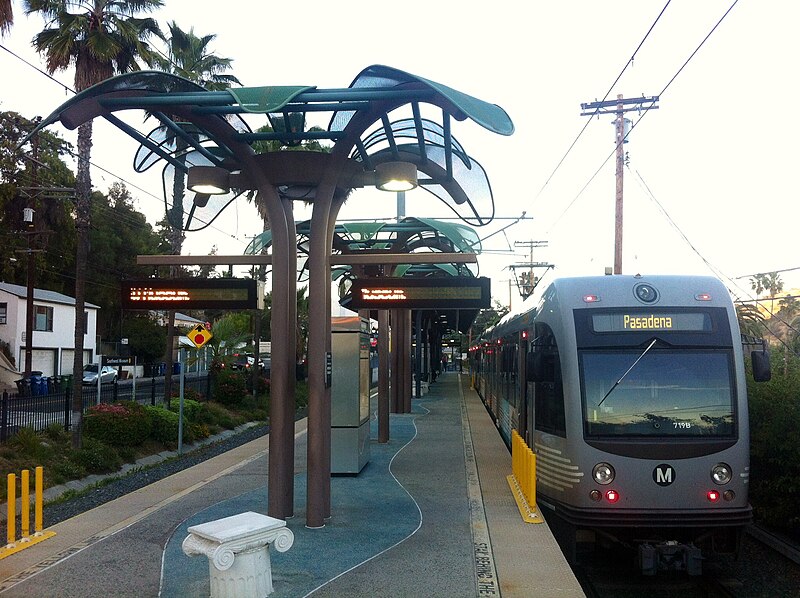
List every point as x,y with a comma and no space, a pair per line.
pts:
610,89
645,111
732,285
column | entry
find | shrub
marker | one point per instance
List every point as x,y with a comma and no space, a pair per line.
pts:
97,457
121,424
774,450
164,426
66,470
191,408
221,416
199,431
230,387
29,444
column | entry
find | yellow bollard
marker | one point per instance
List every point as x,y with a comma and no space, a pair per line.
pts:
12,507
523,478
25,504
26,540
530,480
38,509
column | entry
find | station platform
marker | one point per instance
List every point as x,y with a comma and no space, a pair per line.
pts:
431,514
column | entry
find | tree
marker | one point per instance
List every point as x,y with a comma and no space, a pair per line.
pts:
119,233
6,16
771,282
27,181
751,321
145,336
488,318
100,39
187,56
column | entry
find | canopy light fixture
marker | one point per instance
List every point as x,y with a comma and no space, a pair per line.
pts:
396,176
209,180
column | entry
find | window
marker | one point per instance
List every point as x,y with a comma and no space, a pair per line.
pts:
43,318
671,392
549,390
3,313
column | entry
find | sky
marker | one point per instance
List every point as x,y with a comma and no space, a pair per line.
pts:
711,183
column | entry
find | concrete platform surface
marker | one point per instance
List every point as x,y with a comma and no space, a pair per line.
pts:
431,515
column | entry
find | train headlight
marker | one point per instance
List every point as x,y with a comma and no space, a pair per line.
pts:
603,473
721,473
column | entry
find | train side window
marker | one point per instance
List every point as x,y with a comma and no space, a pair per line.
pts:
548,388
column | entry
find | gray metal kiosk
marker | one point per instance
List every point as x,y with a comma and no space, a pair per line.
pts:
349,394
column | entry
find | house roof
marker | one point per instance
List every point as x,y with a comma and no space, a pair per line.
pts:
41,295
186,318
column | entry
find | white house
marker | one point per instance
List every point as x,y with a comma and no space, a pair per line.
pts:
53,328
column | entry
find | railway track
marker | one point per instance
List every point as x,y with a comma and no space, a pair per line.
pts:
769,567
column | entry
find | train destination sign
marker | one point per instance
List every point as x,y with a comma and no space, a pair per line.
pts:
652,321
190,293
455,292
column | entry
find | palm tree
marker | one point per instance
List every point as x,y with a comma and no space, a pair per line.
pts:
99,39
187,56
6,16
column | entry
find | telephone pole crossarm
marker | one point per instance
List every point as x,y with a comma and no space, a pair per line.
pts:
596,108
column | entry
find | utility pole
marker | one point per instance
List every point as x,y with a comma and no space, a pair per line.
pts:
620,106
529,280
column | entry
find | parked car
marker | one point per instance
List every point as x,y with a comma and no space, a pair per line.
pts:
108,375
265,363
241,361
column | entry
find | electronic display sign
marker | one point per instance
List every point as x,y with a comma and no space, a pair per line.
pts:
190,293
454,292
652,321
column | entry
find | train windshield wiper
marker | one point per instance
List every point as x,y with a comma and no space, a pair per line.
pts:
633,365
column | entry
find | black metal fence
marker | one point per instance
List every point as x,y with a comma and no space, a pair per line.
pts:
42,405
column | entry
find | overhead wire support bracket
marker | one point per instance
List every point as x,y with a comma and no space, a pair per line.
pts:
595,108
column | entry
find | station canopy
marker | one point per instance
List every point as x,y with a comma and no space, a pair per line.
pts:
410,235
385,114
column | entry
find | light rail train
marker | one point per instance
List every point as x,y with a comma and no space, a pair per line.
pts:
631,391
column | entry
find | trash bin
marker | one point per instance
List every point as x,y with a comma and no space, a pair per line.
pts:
23,387
176,368
38,384
162,369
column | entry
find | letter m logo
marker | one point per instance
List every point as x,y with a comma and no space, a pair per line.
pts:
664,475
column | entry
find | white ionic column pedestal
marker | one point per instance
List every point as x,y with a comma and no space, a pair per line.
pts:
237,548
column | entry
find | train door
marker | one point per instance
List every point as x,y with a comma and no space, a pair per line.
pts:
548,390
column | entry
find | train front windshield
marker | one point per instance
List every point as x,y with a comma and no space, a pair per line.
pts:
665,393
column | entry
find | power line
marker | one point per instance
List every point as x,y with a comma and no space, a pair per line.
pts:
646,110
97,166
610,89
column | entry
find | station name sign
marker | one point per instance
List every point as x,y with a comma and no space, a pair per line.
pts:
454,292
190,293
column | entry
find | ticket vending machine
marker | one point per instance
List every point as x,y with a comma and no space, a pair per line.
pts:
349,394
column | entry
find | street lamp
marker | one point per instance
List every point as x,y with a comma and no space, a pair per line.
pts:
396,176
208,180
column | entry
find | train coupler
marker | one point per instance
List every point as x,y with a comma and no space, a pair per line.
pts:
670,556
